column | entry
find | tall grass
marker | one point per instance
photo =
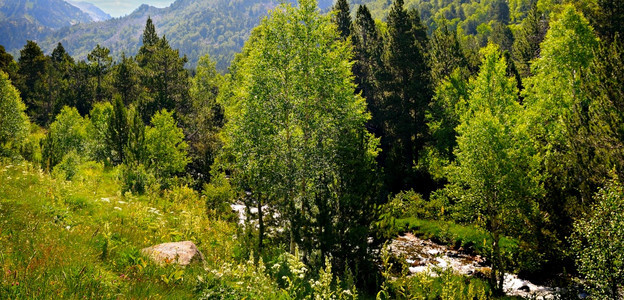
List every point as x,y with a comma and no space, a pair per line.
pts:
81,238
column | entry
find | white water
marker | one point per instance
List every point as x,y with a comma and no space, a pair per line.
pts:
427,256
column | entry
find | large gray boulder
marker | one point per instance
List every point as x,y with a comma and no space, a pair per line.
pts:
182,253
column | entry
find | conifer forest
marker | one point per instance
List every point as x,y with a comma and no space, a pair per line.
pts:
363,149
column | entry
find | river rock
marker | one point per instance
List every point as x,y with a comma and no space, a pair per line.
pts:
182,253
525,288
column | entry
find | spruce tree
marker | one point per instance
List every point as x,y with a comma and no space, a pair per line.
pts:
445,54
7,64
407,91
118,131
342,18
526,46
150,40
609,21
368,65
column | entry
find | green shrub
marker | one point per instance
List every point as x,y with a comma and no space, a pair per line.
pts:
219,195
97,129
166,149
68,167
31,147
135,178
411,204
66,133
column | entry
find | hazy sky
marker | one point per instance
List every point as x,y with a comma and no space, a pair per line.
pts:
117,8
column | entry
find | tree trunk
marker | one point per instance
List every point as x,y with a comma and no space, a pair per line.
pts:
260,225
498,274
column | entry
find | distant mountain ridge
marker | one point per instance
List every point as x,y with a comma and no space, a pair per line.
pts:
22,20
196,27
93,11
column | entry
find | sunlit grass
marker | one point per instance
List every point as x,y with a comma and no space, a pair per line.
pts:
81,238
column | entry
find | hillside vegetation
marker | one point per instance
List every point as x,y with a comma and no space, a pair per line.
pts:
22,20
330,133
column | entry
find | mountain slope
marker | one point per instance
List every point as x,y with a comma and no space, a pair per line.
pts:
196,27
93,11
22,20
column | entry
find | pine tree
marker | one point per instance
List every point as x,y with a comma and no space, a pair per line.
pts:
126,80
609,21
526,46
101,62
150,40
32,81
407,95
445,54
60,76
7,64
81,86
368,65
342,18
118,131
163,75
168,81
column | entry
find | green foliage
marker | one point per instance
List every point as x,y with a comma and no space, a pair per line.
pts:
495,176
14,124
165,145
68,167
54,231
135,178
407,91
410,204
117,133
97,131
101,62
204,120
67,133
599,242
32,83
31,147
398,285
296,137
219,195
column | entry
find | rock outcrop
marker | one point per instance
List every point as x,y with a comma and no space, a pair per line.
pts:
182,253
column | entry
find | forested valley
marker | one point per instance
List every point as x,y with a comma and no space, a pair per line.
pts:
488,132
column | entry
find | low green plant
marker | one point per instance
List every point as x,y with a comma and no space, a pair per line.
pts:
68,167
135,178
219,195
